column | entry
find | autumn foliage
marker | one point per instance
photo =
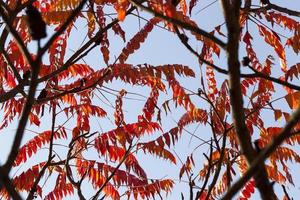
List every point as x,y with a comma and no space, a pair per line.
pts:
74,136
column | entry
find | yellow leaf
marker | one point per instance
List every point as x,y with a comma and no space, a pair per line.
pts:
91,23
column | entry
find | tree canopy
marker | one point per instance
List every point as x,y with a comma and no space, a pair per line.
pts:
66,89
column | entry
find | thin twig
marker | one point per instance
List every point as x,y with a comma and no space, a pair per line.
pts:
219,167
286,193
207,176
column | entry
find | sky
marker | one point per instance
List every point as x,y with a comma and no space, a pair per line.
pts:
161,47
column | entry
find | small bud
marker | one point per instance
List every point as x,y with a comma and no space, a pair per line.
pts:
199,92
42,95
246,61
37,26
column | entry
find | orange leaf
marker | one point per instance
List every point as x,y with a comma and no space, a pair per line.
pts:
157,150
91,22
293,99
273,39
277,114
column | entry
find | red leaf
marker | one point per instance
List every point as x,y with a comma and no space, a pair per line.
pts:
60,192
119,31
33,145
134,43
192,5
33,119
119,116
195,115
150,190
25,180
247,38
273,40
157,150
247,190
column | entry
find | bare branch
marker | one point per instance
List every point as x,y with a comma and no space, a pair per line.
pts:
231,12
209,168
271,6
23,120
275,80
282,9
12,93
219,166
257,74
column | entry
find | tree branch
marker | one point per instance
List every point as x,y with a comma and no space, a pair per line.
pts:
271,6
263,155
12,93
219,166
35,66
50,157
23,120
275,80
76,89
286,193
37,180
231,12
209,168
256,74
282,9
